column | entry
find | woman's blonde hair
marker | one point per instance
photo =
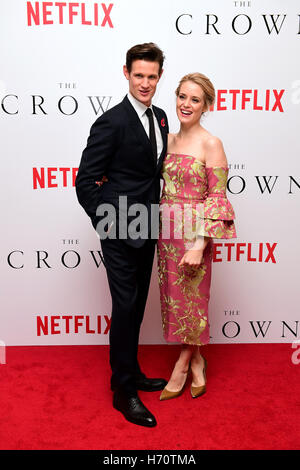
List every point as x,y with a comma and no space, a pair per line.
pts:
204,82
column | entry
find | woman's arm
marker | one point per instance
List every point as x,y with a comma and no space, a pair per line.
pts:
214,157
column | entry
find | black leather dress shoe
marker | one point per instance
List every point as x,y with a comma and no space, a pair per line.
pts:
133,409
150,385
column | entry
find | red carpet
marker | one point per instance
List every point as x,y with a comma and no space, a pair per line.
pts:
58,397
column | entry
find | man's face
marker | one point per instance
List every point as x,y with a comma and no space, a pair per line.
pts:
143,79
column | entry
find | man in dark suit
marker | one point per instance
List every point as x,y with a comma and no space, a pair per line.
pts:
122,163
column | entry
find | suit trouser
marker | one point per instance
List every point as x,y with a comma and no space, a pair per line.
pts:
129,274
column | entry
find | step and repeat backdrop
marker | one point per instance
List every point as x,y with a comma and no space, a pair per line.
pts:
60,68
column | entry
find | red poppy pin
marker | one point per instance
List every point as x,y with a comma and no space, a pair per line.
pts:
162,122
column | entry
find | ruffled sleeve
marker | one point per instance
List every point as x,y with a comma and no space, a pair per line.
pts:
218,212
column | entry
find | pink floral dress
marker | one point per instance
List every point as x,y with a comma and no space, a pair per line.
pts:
193,205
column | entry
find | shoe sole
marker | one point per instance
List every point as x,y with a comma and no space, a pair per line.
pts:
154,389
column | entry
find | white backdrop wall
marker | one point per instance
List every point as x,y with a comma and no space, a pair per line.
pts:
59,73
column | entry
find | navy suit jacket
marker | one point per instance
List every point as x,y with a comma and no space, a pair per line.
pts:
119,149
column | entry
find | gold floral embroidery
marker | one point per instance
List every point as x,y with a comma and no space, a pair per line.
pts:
184,290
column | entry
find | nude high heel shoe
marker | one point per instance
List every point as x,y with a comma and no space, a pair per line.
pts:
167,394
198,391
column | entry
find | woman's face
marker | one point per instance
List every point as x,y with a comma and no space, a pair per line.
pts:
190,103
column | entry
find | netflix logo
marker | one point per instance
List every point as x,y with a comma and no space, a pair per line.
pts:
53,177
86,13
254,100
250,252
72,324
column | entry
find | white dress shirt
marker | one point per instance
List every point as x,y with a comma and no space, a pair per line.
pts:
140,109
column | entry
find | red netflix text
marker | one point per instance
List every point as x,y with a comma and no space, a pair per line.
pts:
255,252
47,13
54,177
72,324
241,100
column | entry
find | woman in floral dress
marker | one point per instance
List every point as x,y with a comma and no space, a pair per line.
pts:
194,209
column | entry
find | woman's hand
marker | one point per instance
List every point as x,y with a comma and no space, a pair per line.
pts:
104,180
192,258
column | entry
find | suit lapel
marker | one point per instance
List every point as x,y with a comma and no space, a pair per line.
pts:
138,127
140,132
161,124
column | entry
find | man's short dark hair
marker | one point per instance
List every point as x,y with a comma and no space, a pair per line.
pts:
147,51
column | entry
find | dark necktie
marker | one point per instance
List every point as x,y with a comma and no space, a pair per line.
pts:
152,133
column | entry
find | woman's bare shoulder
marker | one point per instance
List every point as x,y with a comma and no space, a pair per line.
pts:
214,151
171,137
171,140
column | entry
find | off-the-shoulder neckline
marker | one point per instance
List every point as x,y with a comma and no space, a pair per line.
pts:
192,156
